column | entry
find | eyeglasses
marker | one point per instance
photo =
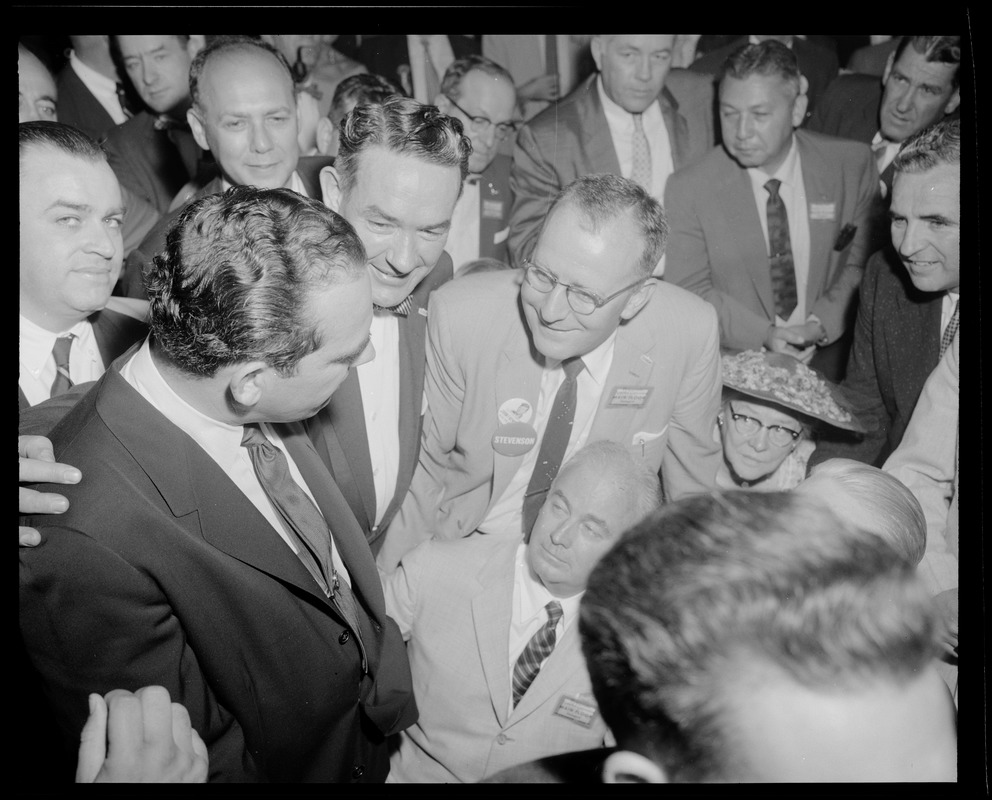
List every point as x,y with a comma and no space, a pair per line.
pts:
581,301
482,125
749,426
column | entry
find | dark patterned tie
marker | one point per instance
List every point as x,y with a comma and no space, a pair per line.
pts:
60,351
641,171
553,445
537,649
304,522
780,253
949,331
431,79
551,56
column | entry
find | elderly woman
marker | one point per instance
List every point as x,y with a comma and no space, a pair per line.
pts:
773,406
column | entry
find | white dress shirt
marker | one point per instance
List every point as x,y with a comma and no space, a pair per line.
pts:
793,193
947,305
220,441
101,87
530,596
441,56
379,381
36,364
506,514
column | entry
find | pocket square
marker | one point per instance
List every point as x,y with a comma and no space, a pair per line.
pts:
845,236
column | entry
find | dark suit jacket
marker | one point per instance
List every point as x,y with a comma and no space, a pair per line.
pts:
338,431
114,333
494,209
185,584
387,54
896,344
818,64
572,138
132,281
154,164
78,107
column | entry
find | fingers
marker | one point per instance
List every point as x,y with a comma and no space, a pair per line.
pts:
28,537
189,741
92,741
31,501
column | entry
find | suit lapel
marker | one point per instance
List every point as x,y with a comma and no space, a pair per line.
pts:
631,366
601,155
820,182
736,204
115,333
492,611
678,128
561,665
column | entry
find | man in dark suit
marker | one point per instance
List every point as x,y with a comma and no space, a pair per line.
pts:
793,293
241,78
919,86
71,216
403,59
480,94
909,295
817,63
88,84
635,118
154,153
270,629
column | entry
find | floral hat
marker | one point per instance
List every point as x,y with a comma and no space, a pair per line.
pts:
784,381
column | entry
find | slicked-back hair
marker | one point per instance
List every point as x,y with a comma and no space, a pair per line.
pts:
766,58
228,44
236,277
711,584
57,135
936,49
401,125
936,144
634,485
604,198
365,87
451,83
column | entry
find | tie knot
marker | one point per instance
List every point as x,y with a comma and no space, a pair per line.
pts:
554,612
638,121
61,350
253,436
772,186
572,367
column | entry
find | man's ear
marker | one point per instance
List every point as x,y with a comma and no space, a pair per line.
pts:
953,102
596,49
326,137
247,382
627,767
330,188
195,45
801,103
638,299
196,126
888,67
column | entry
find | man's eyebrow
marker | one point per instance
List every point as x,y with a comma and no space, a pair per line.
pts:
82,208
354,355
935,218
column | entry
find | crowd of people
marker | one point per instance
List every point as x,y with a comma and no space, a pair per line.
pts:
500,408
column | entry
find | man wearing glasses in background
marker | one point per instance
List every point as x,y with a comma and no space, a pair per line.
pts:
588,346
480,93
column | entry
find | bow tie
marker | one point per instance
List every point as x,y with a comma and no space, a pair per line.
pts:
400,310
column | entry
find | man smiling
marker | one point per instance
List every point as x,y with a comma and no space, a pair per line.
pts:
643,357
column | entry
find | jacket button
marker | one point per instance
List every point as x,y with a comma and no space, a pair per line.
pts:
501,739
344,637
357,771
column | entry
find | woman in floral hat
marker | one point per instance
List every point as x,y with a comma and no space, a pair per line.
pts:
773,405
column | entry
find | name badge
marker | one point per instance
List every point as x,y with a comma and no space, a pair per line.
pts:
629,396
576,710
492,209
514,439
822,210
515,410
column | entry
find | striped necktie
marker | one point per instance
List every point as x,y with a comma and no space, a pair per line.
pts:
537,649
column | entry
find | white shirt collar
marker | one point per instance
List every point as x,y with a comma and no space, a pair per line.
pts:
786,173
620,115
534,595
36,343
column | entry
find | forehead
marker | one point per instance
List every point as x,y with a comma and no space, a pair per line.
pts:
31,70
55,175
344,314
384,175
489,93
923,193
589,491
766,414
139,45
915,66
646,42
231,77
596,259
756,90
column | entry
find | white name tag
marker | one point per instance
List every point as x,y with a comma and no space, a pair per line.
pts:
822,210
577,711
629,396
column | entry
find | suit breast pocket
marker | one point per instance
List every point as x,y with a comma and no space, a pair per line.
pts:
649,446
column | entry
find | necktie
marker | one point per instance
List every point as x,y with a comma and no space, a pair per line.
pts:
432,81
780,253
60,351
537,649
551,56
401,309
305,523
641,171
949,331
553,445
